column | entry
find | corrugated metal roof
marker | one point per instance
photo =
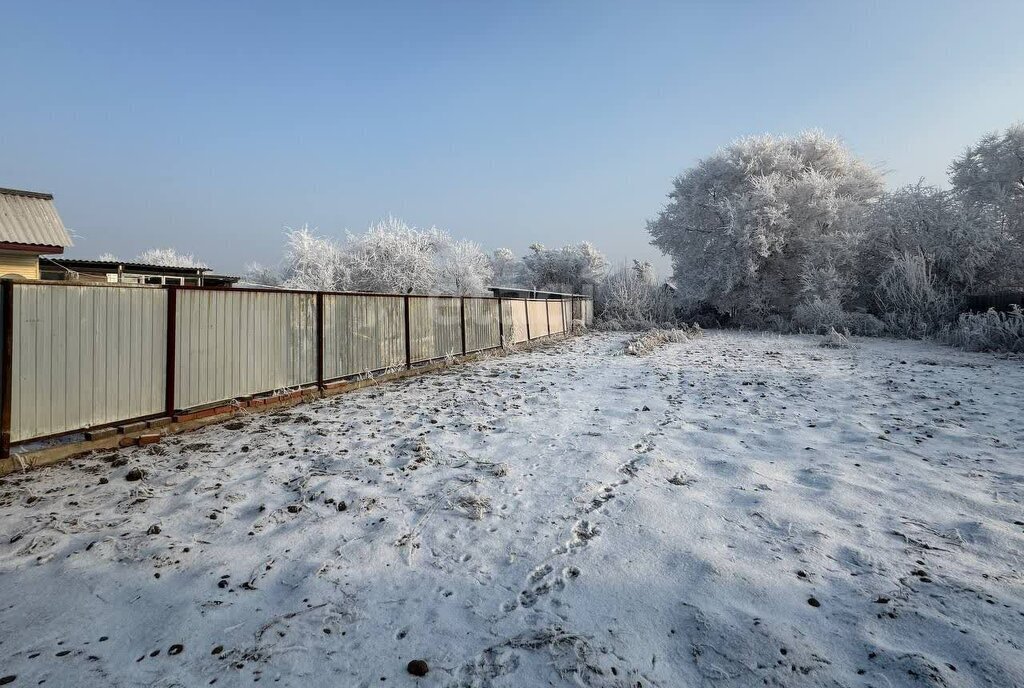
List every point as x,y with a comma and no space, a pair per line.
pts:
74,263
28,217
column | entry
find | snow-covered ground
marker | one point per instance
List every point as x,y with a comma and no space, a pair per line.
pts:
738,510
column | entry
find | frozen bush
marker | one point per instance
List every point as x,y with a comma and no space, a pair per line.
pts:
777,323
863,324
913,305
989,331
834,340
818,315
633,295
649,341
614,325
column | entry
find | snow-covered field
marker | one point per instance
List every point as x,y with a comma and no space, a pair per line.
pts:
739,510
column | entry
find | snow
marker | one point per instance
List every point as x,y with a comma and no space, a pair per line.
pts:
568,517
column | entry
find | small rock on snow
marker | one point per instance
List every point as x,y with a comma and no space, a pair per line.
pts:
417,667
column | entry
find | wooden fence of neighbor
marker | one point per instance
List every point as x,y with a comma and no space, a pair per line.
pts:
1001,301
79,357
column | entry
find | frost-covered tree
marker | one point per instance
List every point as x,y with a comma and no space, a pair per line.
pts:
644,271
312,261
390,257
989,177
767,221
956,243
169,257
262,275
465,268
506,268
571,268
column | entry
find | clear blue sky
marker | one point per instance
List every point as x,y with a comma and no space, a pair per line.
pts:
209,126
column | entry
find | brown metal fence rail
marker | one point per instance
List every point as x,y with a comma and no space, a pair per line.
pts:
76,357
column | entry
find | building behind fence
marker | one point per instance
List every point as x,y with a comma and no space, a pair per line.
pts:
76,357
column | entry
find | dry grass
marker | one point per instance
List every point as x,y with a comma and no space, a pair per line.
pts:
647,342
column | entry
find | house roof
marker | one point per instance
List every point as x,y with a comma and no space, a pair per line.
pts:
79,264
526,292
29,217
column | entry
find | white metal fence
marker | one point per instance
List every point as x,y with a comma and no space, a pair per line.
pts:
84,356
236,343
78,357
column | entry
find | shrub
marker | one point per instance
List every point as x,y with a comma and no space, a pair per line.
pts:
651,340
818,315
863,324
989,331
907,293
834,340
633,295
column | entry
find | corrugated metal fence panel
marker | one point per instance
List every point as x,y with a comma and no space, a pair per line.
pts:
232,344
538,318
362,334
555,316
516,315
588,312
435,327
85,356
567,314
481,324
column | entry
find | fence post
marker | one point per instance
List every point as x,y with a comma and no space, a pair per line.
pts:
462,321
527,303
6,365
172,342
408,343
320,341
501,325
547,314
